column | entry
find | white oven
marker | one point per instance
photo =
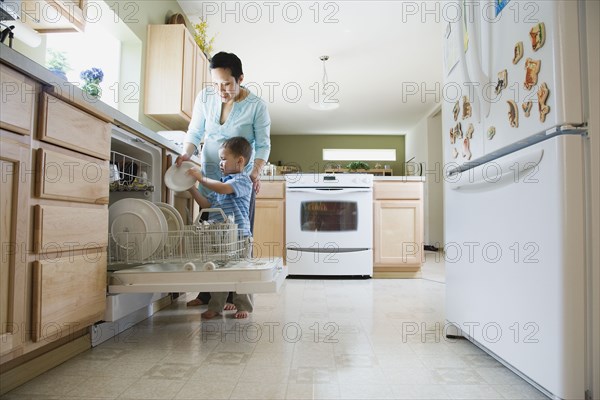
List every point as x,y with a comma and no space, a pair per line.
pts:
329,224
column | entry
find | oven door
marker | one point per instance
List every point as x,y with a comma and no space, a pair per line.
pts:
331,218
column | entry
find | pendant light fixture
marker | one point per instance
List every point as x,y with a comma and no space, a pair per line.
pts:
325,102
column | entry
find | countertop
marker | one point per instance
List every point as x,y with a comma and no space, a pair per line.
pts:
66,89
275,178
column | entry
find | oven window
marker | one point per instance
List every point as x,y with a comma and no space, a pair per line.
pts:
329,216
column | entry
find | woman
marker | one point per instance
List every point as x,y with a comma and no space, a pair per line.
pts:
221,111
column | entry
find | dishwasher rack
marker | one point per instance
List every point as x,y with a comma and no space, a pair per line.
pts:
215,242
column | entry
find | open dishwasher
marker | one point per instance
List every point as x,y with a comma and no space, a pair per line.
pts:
200,257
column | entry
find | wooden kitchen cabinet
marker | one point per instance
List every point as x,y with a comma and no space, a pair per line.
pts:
46,16
15,183
269,220
175,74
19,95
54,224
398,228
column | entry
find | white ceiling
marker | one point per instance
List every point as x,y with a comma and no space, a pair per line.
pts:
375,59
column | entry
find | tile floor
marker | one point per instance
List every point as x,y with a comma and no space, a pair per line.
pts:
316,339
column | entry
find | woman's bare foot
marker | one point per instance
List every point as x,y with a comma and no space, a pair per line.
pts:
209,314
229,307
241,315
194,303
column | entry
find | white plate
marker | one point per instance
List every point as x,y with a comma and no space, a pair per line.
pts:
176,178
138,227
175,224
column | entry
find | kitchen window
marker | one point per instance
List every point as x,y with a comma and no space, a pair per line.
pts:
109,44
359,154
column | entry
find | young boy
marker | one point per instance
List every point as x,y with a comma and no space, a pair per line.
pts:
231,194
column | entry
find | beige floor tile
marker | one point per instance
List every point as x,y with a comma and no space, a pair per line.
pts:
418,392
519,392
308,391
206,389
102,387
258,391
266,375
472,392
49,384
366,391
158,389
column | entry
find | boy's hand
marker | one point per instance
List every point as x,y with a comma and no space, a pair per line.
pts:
195,172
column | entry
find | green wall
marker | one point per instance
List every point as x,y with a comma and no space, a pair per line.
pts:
306,151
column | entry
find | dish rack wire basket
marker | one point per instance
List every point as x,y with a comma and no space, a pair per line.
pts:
219,242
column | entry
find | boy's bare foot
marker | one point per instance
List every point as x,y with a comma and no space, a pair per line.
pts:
229,307
194,303
241,315
209,314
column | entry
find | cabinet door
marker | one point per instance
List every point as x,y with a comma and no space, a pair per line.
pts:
71,176
14,194
398,238
61,229
200,71
67,126
18,101
68,294
269,228
187,84
47,16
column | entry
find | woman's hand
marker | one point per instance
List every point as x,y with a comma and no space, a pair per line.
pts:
255,178
181,158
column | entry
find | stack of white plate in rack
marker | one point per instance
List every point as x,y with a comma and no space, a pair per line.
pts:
142,230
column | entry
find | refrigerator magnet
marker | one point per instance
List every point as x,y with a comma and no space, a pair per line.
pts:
532,69
456,110
467,149
518,53
470,131
466,109
527,107
502,81
538,36
452,136
491,132
458,133
513,114
543,93
454,152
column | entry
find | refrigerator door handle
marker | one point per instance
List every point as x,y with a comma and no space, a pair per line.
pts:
493,172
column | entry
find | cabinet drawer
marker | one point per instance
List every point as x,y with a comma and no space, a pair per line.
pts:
71,177
18,101
271,190
398,190
69,228
67,126
68,295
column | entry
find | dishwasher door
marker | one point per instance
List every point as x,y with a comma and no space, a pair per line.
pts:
259,275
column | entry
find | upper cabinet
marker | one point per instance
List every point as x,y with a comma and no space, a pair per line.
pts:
175,74
55,15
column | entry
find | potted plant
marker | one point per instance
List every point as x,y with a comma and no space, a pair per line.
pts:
201,37
91,81
356,165
58,63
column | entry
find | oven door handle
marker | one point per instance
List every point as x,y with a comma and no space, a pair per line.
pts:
334,191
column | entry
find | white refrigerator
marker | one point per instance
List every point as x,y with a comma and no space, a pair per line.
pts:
516,208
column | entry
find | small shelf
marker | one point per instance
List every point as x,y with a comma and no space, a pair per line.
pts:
376,172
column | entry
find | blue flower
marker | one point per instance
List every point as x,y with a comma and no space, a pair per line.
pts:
92,75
